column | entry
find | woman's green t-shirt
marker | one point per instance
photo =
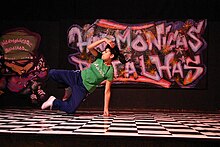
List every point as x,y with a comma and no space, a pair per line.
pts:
96,73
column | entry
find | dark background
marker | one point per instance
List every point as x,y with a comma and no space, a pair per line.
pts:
52,19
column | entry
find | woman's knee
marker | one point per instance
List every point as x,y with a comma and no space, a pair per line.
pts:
51,72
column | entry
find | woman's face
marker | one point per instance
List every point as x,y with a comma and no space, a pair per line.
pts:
106,54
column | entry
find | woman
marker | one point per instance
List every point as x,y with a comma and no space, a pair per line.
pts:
84,82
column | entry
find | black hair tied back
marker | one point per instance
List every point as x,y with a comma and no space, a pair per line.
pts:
121,58
117,54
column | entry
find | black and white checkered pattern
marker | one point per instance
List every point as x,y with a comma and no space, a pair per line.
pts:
162,124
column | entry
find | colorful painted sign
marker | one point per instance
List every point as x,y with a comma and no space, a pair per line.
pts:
22,69
161,54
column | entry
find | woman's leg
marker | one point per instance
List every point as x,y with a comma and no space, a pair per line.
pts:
72,103
68,77
74,81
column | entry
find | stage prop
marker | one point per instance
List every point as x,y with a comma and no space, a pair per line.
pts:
23,70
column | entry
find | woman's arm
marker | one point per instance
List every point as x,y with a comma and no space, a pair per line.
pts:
107,97
92,46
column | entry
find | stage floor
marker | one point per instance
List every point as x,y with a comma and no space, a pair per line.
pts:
121,123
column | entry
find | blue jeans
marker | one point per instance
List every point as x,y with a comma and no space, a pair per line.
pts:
73,79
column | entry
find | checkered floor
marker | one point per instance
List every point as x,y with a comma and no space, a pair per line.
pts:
163,124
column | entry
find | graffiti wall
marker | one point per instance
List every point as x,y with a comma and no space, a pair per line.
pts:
166,54
23,70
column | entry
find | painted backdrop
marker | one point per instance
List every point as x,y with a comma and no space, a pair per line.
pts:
23,69
162,54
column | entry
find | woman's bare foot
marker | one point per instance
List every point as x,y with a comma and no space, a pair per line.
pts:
67,93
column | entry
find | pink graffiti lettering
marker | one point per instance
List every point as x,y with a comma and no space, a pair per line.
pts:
160,51
21,48
14,41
